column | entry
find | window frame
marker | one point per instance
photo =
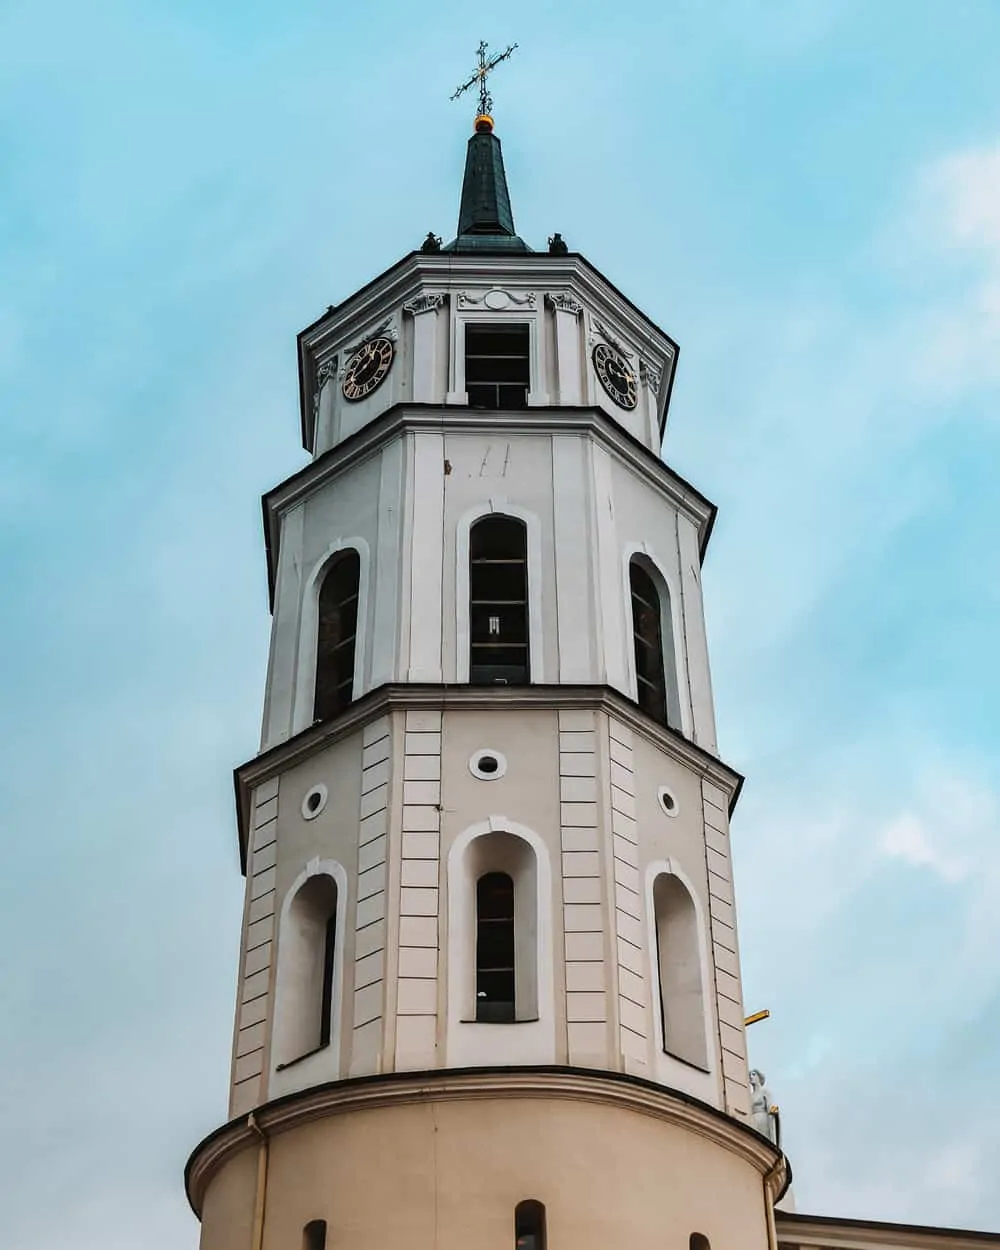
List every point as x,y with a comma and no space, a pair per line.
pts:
521,309
671,635
305,676
345,556
487,926
504,327
648,595
292,1071
670,1067
530,1038
498,505
492,519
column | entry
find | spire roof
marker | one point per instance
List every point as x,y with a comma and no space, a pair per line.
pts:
485,218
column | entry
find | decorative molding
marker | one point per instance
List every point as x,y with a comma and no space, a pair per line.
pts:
404,280
429,301
650,375
624,1093
496,299
324,372
564,302
600,331
385,330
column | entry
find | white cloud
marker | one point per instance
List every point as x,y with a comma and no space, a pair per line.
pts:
905,837
948,239
951,827
966,187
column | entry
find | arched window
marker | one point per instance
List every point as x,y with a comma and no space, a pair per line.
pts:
314,1235
307,963
495,955
698,1241
336,635
529,1225
647,636
498,602
678,958
521,862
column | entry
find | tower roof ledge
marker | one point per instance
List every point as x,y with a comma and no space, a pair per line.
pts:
561,419
411,695
342,323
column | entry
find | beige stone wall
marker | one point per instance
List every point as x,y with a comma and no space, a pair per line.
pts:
448,1174
402,809
256,953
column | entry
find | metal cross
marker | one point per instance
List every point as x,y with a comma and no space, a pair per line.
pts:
485,66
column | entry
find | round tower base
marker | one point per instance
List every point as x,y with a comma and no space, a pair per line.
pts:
440,1161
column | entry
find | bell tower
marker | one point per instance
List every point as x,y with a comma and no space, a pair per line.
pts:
489,984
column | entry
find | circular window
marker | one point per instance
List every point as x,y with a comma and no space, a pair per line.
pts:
667,800
487,764
314,802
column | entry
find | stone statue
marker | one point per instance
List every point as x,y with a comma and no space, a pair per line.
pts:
557,245
432,243
764,1114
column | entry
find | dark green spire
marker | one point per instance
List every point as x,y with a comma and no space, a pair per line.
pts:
485,219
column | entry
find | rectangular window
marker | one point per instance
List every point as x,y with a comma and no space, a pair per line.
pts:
496,366
495,948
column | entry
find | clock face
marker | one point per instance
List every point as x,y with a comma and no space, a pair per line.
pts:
615,375
367,369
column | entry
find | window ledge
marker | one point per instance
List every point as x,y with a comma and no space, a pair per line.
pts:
282,1067
504,1024
688,1063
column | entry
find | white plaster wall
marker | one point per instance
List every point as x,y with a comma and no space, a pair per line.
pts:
408,510
498,473
343,418
403,807
645,523
360,508
564,323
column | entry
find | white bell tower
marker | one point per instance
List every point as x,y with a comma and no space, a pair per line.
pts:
489,987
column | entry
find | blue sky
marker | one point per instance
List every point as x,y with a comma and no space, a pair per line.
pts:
806,195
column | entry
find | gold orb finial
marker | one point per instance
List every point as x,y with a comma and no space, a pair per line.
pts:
484,124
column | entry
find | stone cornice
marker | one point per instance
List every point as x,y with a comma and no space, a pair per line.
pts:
461,1085
401,696
409,276
830,1233
402,418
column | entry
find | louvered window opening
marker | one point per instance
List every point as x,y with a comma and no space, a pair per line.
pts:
497,373
648,639
337,636
498,603
495,948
